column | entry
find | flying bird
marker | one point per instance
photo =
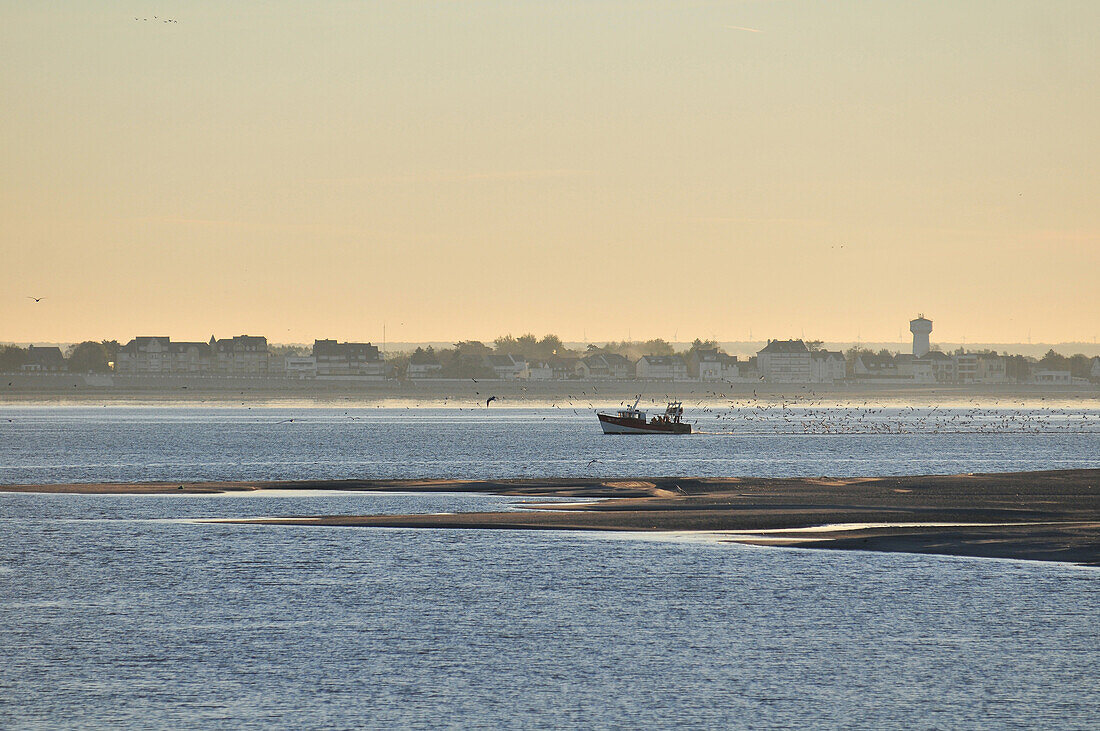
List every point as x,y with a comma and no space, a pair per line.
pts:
36,299
488,400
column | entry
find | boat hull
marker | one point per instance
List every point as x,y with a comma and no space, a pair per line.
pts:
620,425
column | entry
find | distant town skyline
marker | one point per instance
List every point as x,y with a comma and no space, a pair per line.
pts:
382,333
598,170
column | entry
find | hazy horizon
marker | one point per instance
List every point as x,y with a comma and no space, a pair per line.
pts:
605,171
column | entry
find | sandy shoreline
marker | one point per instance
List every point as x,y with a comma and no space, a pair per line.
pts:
1049,516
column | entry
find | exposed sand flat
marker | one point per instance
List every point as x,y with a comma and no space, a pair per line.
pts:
1052,516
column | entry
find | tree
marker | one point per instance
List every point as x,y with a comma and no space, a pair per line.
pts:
112,347
12,357
1053,361
551,345
814,345
528,345
472,347
698,344
283,351
504,344
657,346
1080,365
423,356
88,357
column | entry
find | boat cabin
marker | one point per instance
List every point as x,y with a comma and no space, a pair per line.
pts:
674,412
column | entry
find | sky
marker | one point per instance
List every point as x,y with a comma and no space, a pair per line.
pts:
598,169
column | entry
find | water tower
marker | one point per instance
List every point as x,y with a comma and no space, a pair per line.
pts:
921,329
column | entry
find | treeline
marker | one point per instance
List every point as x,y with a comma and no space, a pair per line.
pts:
89,356
466,359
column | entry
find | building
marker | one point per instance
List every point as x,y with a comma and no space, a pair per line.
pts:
539,371
423,364
157,355
44,360
563,367
827,366
604,366
711,364
144,355
921,329
301,366
942,365
784,361
243,355
348,360
992,368
919,370
507,366
966,367
980,368
875,366
662,367
1052,378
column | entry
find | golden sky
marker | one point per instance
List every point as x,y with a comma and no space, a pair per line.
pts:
596,169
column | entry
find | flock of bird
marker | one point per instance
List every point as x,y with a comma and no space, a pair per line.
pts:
817,416
713,412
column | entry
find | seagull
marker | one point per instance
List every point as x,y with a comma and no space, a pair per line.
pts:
591,462
36,299
491,398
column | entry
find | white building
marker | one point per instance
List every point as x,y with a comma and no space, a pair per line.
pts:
348,360
539,371
424,370
662,367
784,361
980,368
243,355
827,366
423,364
711,364
1052,378
942,364
603,366
160,356
966,367
917,369
301,366
507,366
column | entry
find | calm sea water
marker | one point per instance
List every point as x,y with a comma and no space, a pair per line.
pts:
115,612
74,444
130,611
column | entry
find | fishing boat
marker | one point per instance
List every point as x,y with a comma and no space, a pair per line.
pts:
632,420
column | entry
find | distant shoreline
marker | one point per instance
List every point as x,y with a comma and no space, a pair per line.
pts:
1043,516
76,389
